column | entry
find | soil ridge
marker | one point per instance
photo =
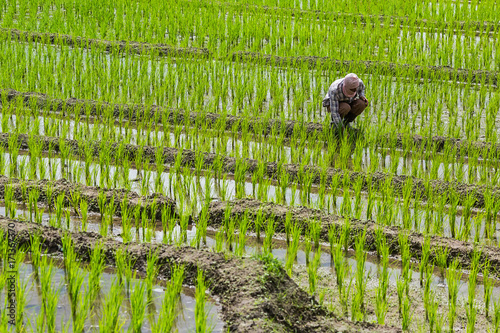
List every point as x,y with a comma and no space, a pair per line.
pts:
268,127
303,216
152,204
253,300
377,180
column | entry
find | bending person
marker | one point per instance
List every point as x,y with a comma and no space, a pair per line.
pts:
345,100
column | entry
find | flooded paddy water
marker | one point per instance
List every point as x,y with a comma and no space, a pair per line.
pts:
184,322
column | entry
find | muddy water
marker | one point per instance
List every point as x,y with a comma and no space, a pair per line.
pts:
372,267
185,321
385,160
189,192
304,108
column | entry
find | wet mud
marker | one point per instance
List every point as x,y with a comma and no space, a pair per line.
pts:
376,181
289,128
457,249
392,69
312,62
439,26
48,191
255,295
105,45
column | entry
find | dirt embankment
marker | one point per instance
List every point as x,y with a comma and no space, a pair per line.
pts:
319,131
106,45
438,26
74,192
301,215
376,180
391,69
313,62
260,299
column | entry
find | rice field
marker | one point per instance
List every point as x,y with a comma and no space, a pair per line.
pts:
167,166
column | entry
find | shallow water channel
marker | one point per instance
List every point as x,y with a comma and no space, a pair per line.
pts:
185,321
189,192
372,267
229,145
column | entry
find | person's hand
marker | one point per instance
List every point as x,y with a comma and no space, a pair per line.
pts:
363,98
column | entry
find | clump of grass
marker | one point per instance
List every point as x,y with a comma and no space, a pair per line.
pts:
382,305
293,248
453,278
200,314
110,311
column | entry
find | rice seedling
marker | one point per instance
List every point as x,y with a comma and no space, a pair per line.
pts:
200,312
240,250
138,306
488,287
110,320
424,260
259,222
124,268
292,248
471,308
268,239
50,295
96,267
312,271
21,291
341,271
381,305
358,304
496,316
453,276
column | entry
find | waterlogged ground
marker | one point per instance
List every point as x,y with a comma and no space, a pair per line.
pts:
253,246
185,321
386,160
327,285
193,189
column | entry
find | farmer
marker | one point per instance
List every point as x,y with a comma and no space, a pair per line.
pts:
345,100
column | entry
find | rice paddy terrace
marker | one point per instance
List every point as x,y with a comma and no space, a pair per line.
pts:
167,166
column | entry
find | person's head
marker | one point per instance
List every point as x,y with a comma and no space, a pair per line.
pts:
351,84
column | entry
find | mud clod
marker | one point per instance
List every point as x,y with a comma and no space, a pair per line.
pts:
248,305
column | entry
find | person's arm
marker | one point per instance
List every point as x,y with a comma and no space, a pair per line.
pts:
361,89
361,92
334,110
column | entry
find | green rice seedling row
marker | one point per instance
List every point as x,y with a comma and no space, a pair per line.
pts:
226,29
160,119
155,154
233,300
230,87
377,203
418,161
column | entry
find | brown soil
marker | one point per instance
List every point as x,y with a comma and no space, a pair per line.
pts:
105,45
254,297
392,69
366,18
376,180
327,283
313,62
457,249
153,203
267,126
